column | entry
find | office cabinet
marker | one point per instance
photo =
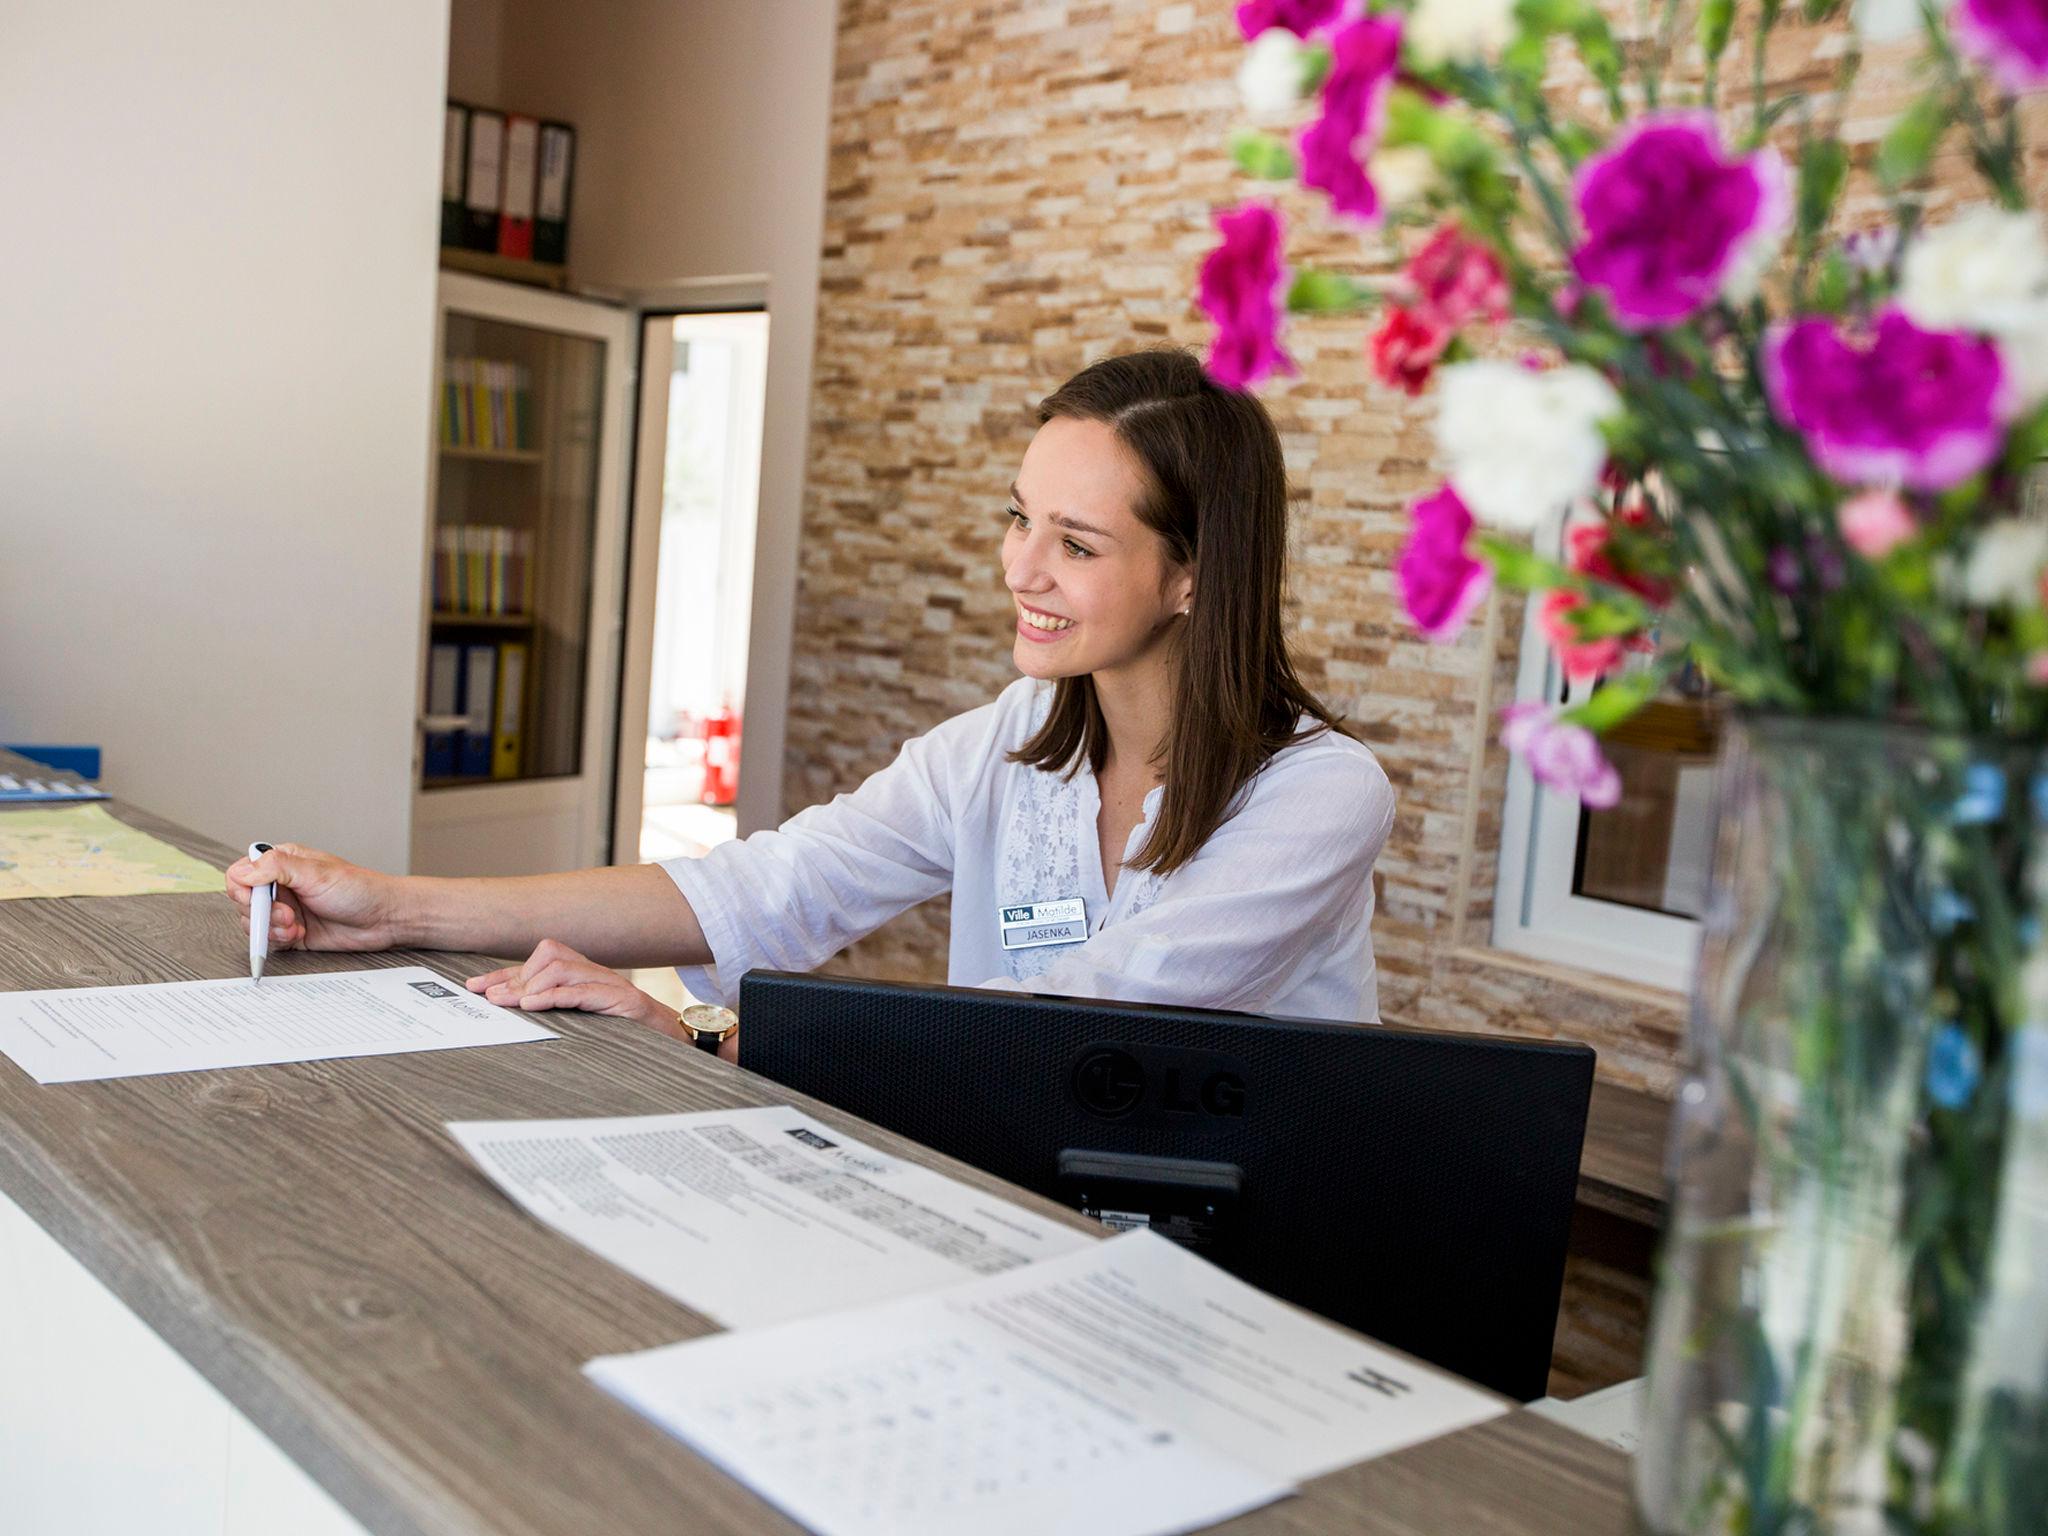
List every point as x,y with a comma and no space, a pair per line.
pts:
522,581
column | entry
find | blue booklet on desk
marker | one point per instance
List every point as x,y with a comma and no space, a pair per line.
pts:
15,788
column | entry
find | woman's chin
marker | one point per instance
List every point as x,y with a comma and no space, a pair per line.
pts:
1032,660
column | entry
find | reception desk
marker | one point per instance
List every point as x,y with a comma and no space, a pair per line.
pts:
280,1299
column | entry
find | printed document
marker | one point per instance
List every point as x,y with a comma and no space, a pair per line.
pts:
86,1033
82,850
754,1216
1124,1390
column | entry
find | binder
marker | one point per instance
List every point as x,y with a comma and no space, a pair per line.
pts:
483,187
444,697
479,671
454,171
515,209
507,741
551,201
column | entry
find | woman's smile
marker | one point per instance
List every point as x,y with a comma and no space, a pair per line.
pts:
1035,624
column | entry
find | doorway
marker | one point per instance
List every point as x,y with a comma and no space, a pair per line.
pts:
697,479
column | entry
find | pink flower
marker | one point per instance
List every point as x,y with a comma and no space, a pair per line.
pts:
2008,37
1365,56
1241,282
1581,659
1440,584
1406,347
1924,409
1671,224
1875,523
1301,17
1455,279
1563,757
1588,552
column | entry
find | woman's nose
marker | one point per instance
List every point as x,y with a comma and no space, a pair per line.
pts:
1022,569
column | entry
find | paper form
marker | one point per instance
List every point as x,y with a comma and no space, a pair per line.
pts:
754,1216
86,1033
1128,1389
81,850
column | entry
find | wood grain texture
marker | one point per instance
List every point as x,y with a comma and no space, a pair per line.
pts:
311,1240
1621,1170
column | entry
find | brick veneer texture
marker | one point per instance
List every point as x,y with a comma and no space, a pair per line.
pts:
1016,189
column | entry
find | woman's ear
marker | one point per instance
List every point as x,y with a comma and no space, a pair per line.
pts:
1180,590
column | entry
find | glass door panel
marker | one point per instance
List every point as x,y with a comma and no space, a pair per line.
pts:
515,538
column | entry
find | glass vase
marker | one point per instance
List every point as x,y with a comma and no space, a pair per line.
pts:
1851,1326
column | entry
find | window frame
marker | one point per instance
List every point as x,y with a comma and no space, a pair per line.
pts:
1535,912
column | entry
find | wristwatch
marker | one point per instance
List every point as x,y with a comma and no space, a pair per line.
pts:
708,1025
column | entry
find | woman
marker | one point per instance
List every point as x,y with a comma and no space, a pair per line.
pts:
1157,811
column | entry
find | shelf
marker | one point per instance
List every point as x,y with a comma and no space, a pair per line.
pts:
494,455
484,620
544,274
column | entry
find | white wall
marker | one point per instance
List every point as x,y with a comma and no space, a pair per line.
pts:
702,132
217,253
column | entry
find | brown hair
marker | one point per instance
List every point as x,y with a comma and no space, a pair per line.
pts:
1216,491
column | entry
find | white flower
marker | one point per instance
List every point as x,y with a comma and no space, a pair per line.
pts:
2004,568
1403,175
1523,445
1270,78
1985,270
1888,21
1458,31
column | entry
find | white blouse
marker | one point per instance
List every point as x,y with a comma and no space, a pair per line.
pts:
1272,915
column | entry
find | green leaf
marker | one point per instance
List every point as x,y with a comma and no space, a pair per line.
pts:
1518,566
1325,293
1615,700
1822,10
1832,285
2028,442
1316,59
1597,49
1262,155
1904,154
1717,20
1823,167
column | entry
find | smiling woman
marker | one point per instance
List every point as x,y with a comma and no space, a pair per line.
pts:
1156,811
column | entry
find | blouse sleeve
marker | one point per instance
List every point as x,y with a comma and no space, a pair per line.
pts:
791,898
1256,906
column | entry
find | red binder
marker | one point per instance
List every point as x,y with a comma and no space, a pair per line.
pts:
522,166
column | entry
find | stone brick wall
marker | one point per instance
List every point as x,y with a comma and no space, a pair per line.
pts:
1017,188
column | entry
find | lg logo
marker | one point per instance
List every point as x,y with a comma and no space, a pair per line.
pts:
1112,1081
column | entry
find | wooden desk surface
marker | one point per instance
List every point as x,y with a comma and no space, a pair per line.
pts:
1622,1168
309,1238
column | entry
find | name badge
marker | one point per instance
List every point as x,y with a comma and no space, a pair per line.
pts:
1045,922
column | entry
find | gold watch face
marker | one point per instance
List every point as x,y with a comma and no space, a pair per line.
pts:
708,1019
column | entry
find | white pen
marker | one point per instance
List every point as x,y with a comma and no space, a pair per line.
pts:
260,898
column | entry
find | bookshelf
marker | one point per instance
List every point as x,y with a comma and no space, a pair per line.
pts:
524,545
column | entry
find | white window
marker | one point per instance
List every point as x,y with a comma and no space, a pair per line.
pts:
1618,891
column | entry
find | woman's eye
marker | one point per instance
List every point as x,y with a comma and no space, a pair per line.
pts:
1016,516
1078,551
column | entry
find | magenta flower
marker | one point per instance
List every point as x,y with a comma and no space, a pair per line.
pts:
1671,224
1563,757
1875,523
2008,37
1241,282
1334,148
1440,584
1301,17
1896,406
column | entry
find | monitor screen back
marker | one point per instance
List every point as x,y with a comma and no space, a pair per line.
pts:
1417,1187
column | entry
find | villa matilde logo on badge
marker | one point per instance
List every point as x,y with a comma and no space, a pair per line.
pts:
430,988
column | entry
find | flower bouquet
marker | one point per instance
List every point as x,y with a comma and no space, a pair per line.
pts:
1710,428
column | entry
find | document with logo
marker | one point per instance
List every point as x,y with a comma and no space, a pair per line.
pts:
1129,1389
85,1033
754,1216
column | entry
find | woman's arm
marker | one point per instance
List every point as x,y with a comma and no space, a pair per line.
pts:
627,916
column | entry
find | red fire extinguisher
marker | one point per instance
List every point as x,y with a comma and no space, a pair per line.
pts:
722,756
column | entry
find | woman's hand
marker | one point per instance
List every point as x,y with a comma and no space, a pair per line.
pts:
322,902
556,976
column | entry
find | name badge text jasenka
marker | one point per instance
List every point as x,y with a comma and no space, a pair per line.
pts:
1044,922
